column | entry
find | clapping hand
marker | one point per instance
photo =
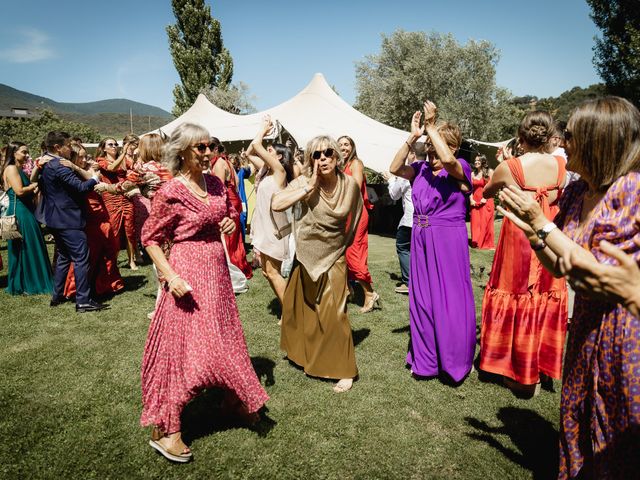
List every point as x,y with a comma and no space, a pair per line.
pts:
227,226
430,111
267,125
416,130
313,179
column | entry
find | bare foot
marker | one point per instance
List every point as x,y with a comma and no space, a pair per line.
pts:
343,385
133,266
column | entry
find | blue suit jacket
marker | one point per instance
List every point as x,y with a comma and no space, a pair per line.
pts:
63,194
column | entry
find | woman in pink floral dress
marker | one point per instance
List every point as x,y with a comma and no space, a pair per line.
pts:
195,339
600,402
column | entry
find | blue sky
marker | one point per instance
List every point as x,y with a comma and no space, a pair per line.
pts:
80,51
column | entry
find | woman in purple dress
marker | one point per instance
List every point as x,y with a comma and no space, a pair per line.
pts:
441,306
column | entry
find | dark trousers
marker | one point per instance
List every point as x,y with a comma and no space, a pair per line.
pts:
403,249
72,247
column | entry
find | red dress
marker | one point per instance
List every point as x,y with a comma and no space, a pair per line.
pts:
481,217
524,310
235,245
104,275
119,207
197,341
357,253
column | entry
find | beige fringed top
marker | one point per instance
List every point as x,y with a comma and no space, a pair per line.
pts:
326,225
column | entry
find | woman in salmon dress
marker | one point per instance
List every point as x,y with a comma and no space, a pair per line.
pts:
524,309
482,209
121,213
195,340
358,252
104,275
600,399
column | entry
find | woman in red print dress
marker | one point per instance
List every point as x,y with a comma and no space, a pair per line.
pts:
600,400
195,338
482,209
114,170
358,252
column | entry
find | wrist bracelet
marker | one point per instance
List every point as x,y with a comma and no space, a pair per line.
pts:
541,245
172,279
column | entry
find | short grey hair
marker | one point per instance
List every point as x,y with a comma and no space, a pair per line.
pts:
321,142
181,139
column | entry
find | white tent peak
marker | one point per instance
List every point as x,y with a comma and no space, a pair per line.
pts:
315,110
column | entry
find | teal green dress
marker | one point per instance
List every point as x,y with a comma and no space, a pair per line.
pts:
29,266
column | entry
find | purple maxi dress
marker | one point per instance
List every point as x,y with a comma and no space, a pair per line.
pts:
441,306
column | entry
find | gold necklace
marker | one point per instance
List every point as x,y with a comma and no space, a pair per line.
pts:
190,187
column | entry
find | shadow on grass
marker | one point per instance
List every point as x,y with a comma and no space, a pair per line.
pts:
264,368
204,416
134,282
404,329
3,281
360,335
534,437
274,307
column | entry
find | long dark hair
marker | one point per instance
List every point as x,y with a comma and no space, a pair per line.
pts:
484,165
9,156
287,159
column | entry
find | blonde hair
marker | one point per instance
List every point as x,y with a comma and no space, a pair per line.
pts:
150,148
181,139
451,134
321,142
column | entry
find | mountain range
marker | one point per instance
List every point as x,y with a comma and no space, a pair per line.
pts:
11,97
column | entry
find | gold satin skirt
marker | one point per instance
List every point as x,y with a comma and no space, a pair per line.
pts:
315,331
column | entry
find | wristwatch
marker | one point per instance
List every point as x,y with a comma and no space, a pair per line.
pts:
546,230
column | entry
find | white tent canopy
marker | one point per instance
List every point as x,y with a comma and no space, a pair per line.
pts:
316,110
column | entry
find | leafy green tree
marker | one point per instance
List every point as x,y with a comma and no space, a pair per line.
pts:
460,79
32,131
198,53
617,52
235,98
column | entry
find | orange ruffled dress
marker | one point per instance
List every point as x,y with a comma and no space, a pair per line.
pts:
524,310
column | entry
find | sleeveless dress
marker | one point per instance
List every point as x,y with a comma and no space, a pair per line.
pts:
235,245
29,267
442,315
358,252
524,309
263,238
481,217
600,400
194,342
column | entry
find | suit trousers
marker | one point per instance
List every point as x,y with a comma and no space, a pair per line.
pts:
72,246
403,249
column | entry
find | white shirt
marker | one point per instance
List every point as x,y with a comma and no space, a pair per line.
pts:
401,187
570,176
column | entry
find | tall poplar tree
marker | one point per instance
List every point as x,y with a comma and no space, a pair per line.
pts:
198,52
617,52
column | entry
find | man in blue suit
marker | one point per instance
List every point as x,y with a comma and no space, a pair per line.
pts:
63,194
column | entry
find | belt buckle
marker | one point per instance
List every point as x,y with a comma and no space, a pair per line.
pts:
423,221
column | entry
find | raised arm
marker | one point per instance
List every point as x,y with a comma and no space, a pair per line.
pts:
398,166
70,179
270,159
449,162
299,189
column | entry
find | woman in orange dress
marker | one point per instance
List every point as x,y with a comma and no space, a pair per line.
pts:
358,252
524,310
482,209
104,275
114,170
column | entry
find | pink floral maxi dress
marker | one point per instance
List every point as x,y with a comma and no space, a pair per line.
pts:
600,401
197,341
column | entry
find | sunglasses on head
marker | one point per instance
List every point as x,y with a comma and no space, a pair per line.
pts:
202,147
328,153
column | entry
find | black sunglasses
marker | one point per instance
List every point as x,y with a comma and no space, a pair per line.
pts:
328,153
110,144
202,147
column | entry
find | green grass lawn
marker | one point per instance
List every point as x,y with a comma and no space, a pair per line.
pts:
70,399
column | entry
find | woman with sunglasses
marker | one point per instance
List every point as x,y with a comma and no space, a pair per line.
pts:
113,168
316,333
29,267
525,309
442,316
224,170
274,165
195,339
600,401
358,251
